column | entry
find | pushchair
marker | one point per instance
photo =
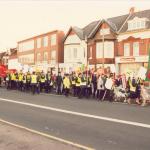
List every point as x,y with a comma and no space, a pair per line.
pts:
120,94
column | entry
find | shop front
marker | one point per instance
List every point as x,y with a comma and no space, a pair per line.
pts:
130,64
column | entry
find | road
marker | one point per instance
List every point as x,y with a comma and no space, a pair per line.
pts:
100,125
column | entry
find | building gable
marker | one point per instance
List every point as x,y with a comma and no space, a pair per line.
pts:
106,29
72,38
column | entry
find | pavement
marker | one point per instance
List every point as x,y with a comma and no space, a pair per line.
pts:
93,124
14,138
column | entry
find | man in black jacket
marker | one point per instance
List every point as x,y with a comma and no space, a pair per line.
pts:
59,82
94,83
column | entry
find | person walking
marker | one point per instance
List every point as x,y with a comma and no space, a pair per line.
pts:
94,84
33,82
100,87
28,81
59,82
67,84
78,84
42,81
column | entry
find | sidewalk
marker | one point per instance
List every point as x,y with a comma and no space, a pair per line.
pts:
13,138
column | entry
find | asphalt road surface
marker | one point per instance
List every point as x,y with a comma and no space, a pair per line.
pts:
100,125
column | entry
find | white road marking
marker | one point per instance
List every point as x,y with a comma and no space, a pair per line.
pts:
49,136
79,114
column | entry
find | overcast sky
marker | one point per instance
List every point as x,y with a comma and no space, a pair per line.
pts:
23,19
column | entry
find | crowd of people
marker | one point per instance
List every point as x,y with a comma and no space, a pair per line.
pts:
99,86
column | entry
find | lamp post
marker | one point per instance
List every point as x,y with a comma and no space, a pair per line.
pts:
103,46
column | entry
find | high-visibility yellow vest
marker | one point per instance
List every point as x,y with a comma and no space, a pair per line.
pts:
78,81
132,88
66,82
20,77
83,82
13,77
28,77
34,78
42,79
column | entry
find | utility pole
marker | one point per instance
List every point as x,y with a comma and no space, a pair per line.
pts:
103,46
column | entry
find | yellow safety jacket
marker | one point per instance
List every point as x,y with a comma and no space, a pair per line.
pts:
28,77
42,79
132,88
34,79
13,77
66,82
20,77
78,82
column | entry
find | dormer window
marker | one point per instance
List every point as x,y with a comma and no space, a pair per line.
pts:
105,31
137,23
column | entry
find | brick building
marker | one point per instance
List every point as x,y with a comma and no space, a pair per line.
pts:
44,51
126,41
134,42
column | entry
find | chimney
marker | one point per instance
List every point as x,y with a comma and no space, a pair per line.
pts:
132,10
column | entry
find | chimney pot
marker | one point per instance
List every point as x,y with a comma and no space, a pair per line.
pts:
132,10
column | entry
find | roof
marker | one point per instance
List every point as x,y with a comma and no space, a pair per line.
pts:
82,32
43,34
2,55
140,14
13,51
115,24
88,29
79,32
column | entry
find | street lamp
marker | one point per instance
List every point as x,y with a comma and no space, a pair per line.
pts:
103,46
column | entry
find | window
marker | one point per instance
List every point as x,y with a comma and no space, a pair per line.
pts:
53,56
136,49
25,46
142,24
108,50
105,31
99,50
38,42
126,49
38,57
45,56
69,53
75,53
26,58
45,41
53,39
136,24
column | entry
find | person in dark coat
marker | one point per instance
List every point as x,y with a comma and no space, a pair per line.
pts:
94,83
59,82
